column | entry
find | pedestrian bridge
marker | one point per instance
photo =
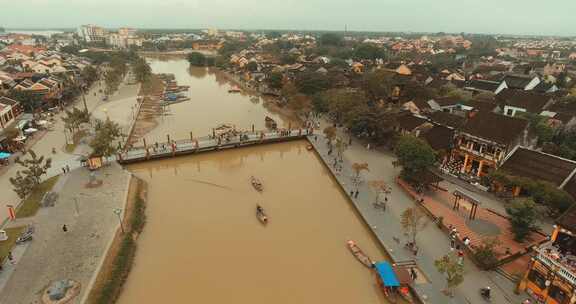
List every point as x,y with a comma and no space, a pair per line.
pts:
206,144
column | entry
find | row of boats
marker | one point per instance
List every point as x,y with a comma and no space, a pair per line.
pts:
394,280
173,93
260,213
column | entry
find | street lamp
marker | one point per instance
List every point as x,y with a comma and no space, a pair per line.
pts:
118,211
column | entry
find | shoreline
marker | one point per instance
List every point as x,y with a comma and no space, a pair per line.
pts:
108,282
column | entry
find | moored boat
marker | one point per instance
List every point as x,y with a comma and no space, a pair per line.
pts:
256,183
359,254
261,215
234,89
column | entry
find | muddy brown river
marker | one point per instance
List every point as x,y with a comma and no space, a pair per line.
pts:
203,243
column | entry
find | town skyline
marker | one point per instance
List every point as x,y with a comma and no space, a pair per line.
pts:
506,18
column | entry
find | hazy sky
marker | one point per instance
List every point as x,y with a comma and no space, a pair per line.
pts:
475,16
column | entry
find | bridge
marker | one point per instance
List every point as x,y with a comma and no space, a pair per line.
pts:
174,148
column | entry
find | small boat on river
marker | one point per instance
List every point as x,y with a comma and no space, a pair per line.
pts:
234,89
261,215
359,254
256,183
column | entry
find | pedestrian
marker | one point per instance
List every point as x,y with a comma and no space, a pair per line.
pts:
466,241
10,257
351,193
386,199
452,241
368,147
64,170
350,141
68,168
356,194
460,257
64,228
413,274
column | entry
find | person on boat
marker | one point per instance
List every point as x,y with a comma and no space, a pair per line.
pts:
259,209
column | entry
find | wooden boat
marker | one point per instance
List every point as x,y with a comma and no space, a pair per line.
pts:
261,215
270,123
359,254
309,147
256,184
234,89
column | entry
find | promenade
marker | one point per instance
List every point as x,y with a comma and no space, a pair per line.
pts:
386,225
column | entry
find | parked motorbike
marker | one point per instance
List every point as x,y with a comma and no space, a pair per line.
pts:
485,294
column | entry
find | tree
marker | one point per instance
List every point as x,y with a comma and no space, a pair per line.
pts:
368,51
29,101
197,59
413,221
485,253
330,133
74,118
28,178
106,132
141,70
11,133
331,39
300,103
378,84
414,155
311,83
89,74
274,80
522,213
452,270
252,66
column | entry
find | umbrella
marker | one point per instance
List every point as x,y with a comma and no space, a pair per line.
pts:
4,155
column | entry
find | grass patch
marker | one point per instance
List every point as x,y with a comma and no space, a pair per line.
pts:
6,246
120,258
31,204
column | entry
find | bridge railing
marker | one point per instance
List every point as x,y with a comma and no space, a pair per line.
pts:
186,145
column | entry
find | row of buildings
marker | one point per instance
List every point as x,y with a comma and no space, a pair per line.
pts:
124,37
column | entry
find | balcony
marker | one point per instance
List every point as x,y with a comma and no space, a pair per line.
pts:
564,266
487,156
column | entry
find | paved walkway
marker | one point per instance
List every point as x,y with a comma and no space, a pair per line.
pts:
76,254
432,241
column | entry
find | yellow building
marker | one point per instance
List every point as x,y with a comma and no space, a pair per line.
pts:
551,274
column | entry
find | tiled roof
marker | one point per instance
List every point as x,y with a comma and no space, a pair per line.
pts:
531,101
494,127
538,166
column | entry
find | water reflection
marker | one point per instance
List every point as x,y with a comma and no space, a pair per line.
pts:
198,72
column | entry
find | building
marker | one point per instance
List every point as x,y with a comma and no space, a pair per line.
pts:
516,101
10,110
551,274
483,141
92,33
127,31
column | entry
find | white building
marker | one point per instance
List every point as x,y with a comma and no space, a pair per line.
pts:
92,33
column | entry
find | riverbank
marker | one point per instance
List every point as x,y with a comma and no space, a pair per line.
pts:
120,257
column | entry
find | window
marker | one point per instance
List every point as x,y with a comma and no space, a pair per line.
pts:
558,294
537,278
510,112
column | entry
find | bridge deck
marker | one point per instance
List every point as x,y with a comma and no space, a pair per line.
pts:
204,144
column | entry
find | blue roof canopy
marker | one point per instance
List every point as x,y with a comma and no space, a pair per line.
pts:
387,274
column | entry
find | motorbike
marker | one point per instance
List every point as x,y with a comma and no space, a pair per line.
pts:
26,236
485,294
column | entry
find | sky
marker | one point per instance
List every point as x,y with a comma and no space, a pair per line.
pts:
531,17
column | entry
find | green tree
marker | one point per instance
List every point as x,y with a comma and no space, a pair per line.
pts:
275,80
252,66
413,221
27,179
106,133
310,83
378,84
197,59
74,118
452,271
89,74
485,253
368,51
141,70
331,39
414,155
522,213
27,99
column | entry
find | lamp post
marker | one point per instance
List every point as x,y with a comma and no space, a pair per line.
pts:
118,211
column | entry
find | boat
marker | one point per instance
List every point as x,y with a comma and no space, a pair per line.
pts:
234,89
359,254
270,123
261,215
309,147
256,184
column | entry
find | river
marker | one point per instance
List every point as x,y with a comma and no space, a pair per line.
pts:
202,242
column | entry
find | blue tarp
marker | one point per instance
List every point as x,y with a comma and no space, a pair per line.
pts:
4,155
387,274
